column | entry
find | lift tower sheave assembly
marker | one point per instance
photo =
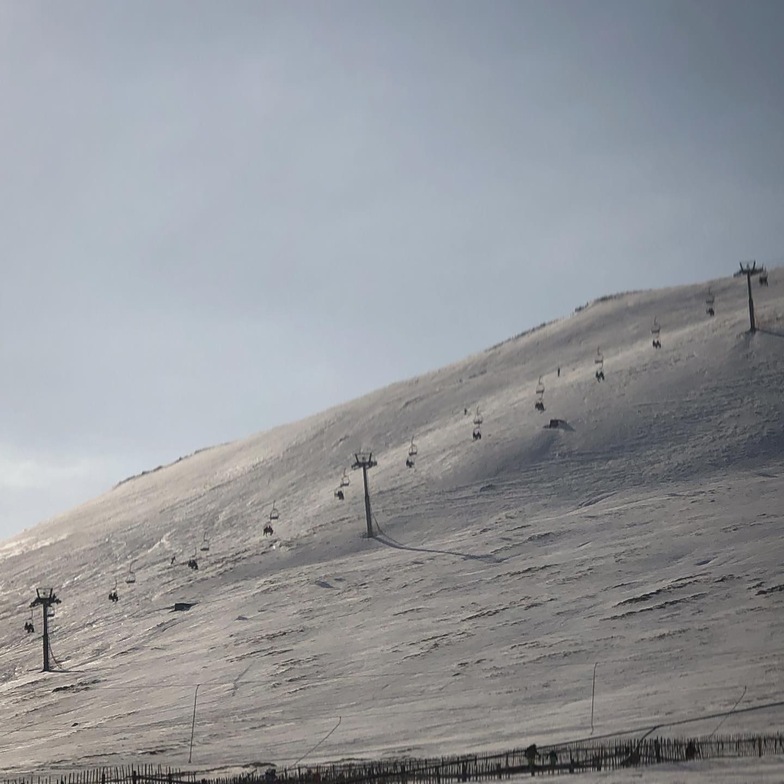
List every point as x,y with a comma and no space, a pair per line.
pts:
364,460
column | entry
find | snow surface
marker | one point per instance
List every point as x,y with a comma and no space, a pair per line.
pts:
643,539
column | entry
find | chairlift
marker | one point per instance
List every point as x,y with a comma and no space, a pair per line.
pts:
599,360
656,331
339,494
344,480
50,611
268,530
29,626
763,278
274,514
539,405
113,597
205,543
131,577
477,433
478,417
412,453
709,302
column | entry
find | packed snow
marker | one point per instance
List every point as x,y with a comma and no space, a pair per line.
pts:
639,539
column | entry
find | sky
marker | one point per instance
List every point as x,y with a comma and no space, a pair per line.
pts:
220,217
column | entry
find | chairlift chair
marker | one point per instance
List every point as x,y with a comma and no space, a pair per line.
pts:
656,331
339,494
709,301
274,514
763,278
412,453
477,433
193,563
205,543
599,360
344,480
131,577
478,417
539,405
50,611
113,596
29,626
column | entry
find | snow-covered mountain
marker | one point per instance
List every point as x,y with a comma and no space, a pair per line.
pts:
640,538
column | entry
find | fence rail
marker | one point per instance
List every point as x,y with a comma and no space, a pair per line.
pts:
606,754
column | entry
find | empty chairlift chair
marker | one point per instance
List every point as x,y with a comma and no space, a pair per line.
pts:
599,360
656,332
205,543
131,576
709,302
539,405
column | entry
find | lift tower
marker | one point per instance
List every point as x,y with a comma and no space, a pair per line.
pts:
749,270
46,598
364,460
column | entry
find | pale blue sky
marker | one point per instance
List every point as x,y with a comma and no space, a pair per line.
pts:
222,216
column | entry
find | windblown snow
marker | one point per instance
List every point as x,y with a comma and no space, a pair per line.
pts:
640,539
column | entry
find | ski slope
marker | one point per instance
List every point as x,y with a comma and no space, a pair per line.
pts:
641,541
